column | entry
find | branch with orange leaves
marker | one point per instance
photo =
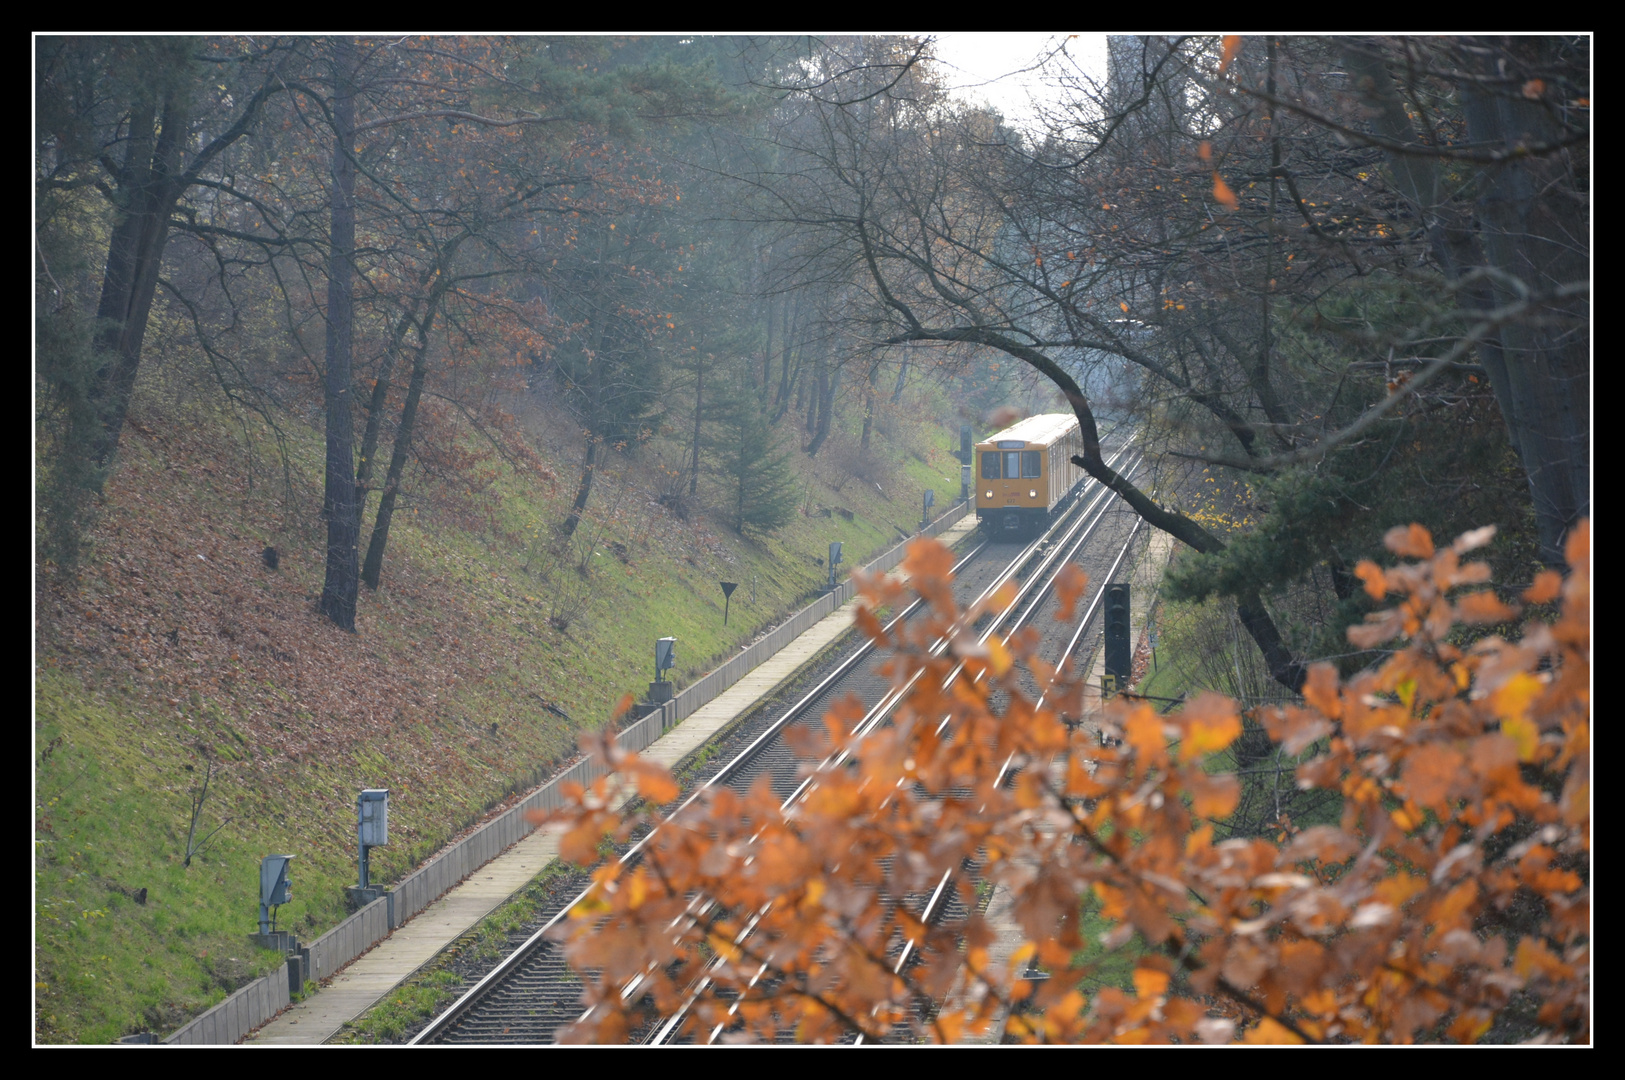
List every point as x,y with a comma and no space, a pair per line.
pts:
1464,775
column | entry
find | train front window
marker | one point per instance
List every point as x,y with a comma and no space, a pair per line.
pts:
1012,464
1029,463
990,466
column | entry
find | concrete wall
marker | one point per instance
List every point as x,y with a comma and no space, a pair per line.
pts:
262,999
239,1014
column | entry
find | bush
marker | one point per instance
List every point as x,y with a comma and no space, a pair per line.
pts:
1464,776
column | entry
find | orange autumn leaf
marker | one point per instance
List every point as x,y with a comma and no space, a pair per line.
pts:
1548,584
655,781
1069,585
1214,796
1211,723
1376,586
1222,192
1409,541
1231,46
1150,983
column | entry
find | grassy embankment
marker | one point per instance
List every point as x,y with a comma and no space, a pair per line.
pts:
178,653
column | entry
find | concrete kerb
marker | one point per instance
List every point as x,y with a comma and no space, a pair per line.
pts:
242,1011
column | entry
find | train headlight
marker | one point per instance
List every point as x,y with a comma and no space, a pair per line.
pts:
1032,494
990,494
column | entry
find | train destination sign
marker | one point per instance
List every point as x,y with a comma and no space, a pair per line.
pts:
1011,444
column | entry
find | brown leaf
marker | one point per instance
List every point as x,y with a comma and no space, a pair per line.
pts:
1409,541
1069,585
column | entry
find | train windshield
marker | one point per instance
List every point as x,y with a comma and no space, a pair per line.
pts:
990,466
1012,464
1029,463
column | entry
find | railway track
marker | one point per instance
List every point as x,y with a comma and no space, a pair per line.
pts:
1063,544
529,995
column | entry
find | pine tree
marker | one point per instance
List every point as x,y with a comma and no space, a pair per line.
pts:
751,465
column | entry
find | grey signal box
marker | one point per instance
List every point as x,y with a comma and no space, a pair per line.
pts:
372,810
372,824
665,656
275,887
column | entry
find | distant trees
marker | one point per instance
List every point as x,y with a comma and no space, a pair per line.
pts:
417,198
141,121
1256,256
130,130
1488,140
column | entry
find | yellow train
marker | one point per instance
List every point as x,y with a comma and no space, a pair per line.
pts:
1025,475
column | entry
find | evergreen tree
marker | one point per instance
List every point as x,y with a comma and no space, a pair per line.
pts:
751,465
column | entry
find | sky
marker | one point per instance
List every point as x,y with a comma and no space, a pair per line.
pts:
980,66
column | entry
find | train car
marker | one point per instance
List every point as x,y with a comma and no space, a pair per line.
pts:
1025,475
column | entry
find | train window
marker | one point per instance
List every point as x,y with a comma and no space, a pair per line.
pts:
1029,463
990,466
1012,464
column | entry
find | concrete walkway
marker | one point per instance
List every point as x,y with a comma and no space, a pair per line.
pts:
359,986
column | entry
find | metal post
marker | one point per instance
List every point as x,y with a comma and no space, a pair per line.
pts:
363,869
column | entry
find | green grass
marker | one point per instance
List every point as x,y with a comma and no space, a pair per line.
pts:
1105,967
1164,679
112,818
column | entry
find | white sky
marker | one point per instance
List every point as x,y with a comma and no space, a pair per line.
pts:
980,66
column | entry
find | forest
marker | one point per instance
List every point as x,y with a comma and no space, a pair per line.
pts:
1340,286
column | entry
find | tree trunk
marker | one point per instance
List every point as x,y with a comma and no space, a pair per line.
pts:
699,387
1533,223
767,353
1538,368
134,255
782,401
375,415
343,528
825,402
813,398
584,488
868,411
373,569
440,273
